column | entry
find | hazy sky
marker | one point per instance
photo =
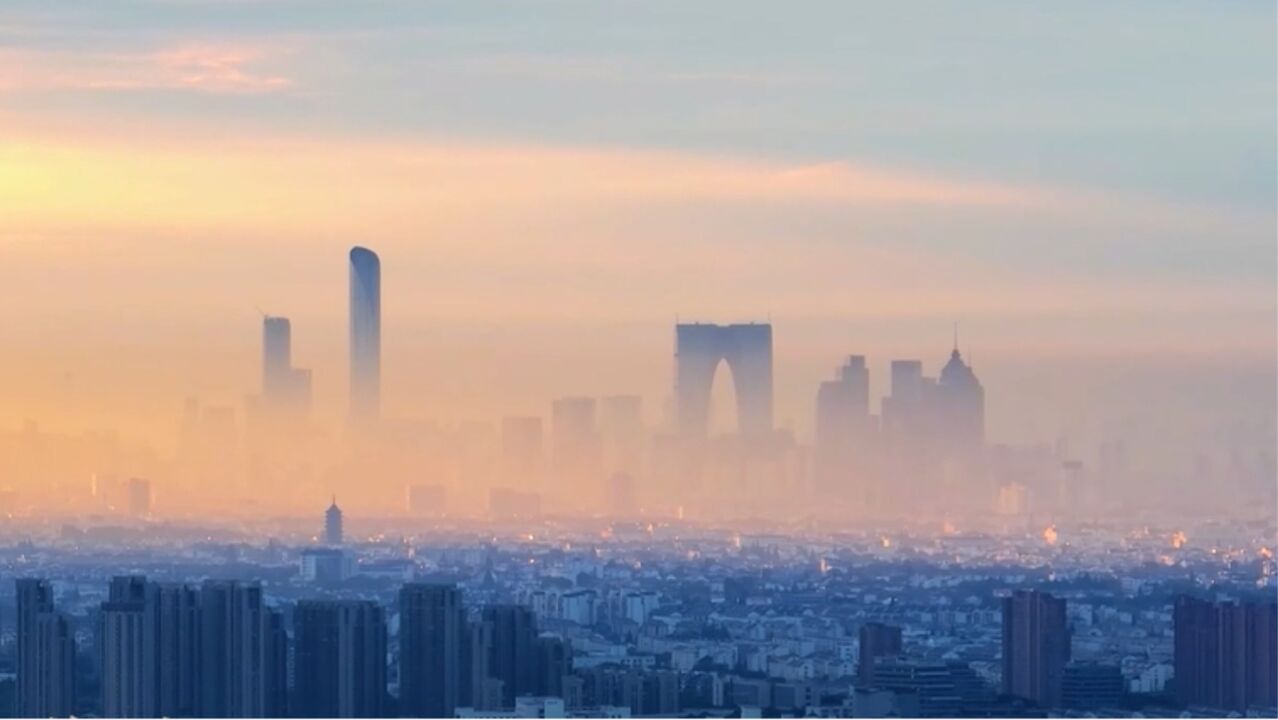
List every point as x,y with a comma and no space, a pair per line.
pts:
1088,187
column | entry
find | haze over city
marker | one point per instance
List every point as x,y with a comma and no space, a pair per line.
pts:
549,201
588,359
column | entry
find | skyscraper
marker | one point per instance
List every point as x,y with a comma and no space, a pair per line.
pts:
431,622
34,597
274,689
905,435
365,337
45,653
747,349
56,653
333,524
513,653
1226,654
842,422
961,407
148,642
277,356
286,390
575,448
478,688
621,433
1036,646
340,659
902,408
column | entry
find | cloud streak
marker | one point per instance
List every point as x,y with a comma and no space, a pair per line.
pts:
214,68
279,183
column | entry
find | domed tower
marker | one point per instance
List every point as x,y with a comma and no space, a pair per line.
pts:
962,403
333,524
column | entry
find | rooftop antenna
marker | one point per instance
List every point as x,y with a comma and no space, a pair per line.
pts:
956,336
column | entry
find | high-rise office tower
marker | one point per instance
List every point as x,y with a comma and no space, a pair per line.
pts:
513,653
340,659
242,653
431,626
277,356
45,653
1036,646
1226,654
365,337
842,423
747,349
907,425
877,641
621,433
333,524
286,390
903,407
575,449
961,407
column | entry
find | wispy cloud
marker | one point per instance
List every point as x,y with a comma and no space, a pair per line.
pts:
218,68
304,184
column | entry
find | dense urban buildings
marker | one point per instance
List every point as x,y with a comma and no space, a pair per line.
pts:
621,330
629,626
606,571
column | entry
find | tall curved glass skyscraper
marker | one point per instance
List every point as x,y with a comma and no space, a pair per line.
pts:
366,337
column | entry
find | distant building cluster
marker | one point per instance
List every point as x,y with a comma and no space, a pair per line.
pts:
710,449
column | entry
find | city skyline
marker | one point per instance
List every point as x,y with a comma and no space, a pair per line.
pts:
925,436
596,359
1096,252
